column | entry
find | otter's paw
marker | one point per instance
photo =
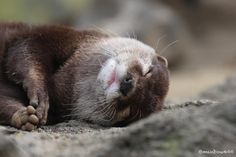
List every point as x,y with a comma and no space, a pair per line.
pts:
40,101
25,119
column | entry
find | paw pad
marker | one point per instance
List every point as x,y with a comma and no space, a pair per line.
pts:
25,119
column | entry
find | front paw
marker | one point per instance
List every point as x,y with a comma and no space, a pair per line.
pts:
39,99
25,119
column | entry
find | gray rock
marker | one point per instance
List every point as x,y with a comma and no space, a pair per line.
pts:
9,148
225,91
179,130
184,133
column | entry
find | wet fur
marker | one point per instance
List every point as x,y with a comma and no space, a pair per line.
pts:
65,64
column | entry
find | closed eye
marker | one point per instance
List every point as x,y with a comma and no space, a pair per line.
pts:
149,71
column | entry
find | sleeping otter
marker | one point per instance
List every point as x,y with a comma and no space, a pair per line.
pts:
50,74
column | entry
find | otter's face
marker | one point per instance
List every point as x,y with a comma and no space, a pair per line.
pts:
135,82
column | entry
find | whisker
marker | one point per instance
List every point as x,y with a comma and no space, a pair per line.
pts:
109,51
172,43
137,114
140,114
128,35
108,32
105,109
113,114
158,41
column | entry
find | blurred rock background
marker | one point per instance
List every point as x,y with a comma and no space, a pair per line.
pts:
203,31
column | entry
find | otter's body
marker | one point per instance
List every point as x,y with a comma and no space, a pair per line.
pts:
82,74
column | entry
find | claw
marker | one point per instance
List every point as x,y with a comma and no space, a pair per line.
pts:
34,103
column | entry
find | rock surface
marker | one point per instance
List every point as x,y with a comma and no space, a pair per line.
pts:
9,147
184,132
225,91
179,130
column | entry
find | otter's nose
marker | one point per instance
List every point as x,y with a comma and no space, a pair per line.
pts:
126,85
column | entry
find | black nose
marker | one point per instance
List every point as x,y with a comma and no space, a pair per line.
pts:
126,85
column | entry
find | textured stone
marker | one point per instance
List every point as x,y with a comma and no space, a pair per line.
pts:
9,148
225,91
184,132
179,130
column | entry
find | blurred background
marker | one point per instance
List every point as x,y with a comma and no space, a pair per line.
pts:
198,37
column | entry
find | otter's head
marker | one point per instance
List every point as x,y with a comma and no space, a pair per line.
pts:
131,83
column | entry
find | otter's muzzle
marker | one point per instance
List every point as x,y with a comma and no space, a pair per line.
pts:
126,86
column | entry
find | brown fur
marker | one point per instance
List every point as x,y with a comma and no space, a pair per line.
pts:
38,64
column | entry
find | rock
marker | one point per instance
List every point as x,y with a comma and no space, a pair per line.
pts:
9,148
225,91
196,103
187,132
73,138
179,130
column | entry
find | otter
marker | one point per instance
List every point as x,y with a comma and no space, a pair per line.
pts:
52,73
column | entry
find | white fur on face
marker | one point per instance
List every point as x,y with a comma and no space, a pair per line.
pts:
122,52
109,78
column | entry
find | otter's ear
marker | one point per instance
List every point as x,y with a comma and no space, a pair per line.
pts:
163,60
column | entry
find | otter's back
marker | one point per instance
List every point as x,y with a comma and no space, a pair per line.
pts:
7,32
